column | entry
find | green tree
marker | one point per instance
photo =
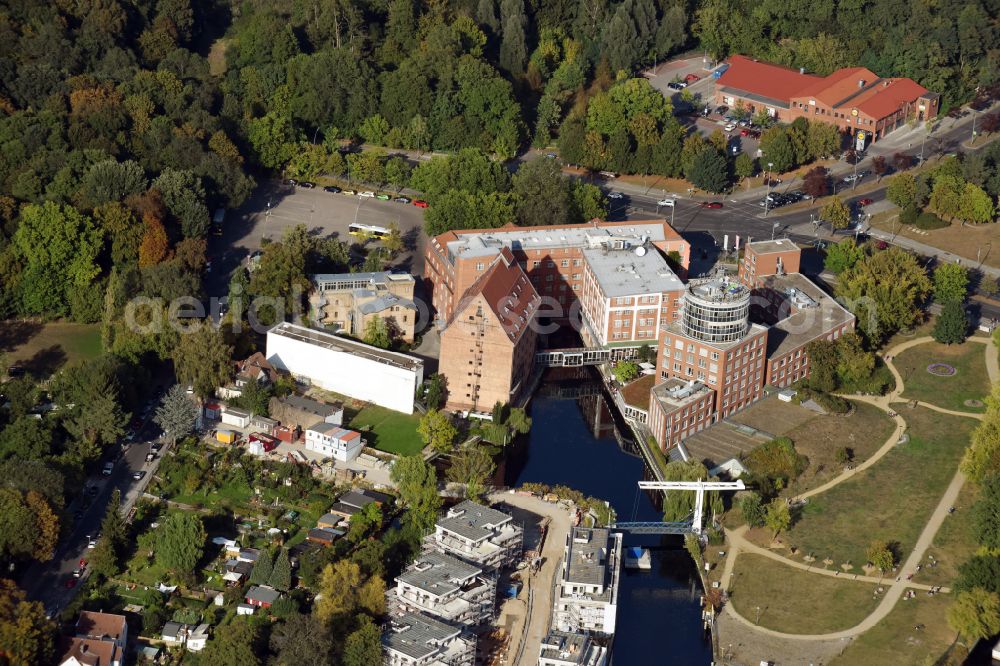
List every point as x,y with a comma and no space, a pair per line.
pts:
234,644
744,166
836,212
589,202
951,325
343,590
203,359
262,568
902,190
184,195
368,166
752,509
884,291
951,282
377,333
678,506
301,639
709,171
313,160
104,561
180,540
880,556
59,248
374,129
470,170
513,45
976,205
416,481
982,457
975,614
281,576
435,391
397,172
472,466
626,371
779,517
982,571
437,430
777,149
177,413
364,645
986,513
112,181
461,210
273,139
541,193
843,255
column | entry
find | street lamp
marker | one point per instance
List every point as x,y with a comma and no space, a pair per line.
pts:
774,227
974,115
758,616
815,224
767,198
855,181
922,141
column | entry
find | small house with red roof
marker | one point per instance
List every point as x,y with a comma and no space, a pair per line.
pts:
855,99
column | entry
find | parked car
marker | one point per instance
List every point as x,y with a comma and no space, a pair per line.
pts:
615,195
550,156
420,203
711,204
367,194
730,127
307,185
349,193
292,182
15,371
332,189
677,85
691,78
865,202
150,457
78,572
722,110
403,200
70,583
109,467
138,475
83,563
91,542
382,197
666,202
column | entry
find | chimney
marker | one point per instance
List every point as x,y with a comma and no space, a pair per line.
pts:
861,83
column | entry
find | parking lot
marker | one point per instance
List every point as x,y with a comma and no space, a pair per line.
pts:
275,207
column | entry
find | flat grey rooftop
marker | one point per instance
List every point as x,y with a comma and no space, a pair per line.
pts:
343,281
624,273
565,646
772,246
417,635
587,563
675,392
321,409
472,521
438,574
488,243
808,323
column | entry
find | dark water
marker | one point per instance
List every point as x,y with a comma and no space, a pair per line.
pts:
572,443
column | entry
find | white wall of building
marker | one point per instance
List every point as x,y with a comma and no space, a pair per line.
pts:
348,374
339,449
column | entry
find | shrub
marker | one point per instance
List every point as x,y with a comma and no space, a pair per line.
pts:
909,215
776,460
928,220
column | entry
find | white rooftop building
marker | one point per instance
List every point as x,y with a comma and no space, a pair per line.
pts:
344,366
477,534
587,596
444,587
414,639
561,648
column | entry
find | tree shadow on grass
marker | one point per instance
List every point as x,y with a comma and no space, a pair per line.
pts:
15,333
45,362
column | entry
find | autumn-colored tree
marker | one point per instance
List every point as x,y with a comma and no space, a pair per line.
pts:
343,592
26,637
191,252
154,246
47,526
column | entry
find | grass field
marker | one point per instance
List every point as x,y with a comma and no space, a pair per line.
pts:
891,500
387,430
821,437
41,349
896,640
798,602
970,382
954,543
637,392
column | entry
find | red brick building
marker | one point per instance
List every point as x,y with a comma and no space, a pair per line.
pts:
854,99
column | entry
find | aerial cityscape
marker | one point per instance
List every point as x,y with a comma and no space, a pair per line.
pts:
499,333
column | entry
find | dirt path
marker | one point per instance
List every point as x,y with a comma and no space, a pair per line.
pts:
896,588
528,616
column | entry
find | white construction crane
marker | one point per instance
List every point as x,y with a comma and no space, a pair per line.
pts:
700,487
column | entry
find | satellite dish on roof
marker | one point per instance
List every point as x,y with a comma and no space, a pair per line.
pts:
640,251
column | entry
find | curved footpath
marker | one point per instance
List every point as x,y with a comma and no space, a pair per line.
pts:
896,588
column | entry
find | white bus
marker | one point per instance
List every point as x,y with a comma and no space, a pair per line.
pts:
367,231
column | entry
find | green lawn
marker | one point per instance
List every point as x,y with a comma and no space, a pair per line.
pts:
970,382
388,430
954,543
41,349
795,601
891,500
896,640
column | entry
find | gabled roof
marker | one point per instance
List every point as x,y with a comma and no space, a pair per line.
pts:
765,79
836,87
888,96
107,626
262,594
508,293
86,652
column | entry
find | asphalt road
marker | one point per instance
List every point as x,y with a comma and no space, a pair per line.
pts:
47,582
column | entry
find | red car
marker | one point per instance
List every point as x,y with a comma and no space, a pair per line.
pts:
70,583
865,202
745,132
711,204
691,78
420,203
83,563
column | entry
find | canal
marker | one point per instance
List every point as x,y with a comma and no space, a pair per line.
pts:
572,442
